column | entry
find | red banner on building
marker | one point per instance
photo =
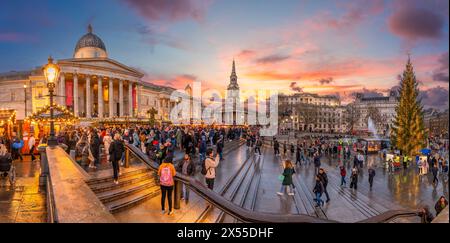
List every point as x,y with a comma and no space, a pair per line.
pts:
69,93
134,97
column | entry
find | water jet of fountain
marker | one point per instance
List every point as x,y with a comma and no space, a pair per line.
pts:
371,127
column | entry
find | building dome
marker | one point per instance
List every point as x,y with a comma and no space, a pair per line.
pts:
90,46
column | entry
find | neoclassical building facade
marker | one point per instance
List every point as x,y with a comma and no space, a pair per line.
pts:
91,85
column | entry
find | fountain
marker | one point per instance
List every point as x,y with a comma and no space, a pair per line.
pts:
371,127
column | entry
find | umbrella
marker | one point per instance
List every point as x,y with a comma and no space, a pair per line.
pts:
425,151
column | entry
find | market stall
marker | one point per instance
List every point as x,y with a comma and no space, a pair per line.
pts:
38,123
7,122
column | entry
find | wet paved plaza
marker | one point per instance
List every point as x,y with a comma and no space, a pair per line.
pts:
26,202
403,189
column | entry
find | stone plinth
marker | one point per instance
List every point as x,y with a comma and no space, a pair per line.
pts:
74,200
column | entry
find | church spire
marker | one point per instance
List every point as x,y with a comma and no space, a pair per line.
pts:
233,78
89,28
233,70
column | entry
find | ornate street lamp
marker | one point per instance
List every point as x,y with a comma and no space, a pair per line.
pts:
51,73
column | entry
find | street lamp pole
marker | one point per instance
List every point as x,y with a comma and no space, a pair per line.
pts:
25,97
51,73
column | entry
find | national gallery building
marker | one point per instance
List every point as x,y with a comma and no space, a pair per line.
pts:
91,85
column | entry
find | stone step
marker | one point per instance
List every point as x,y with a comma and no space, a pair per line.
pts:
119,193
109,185
132,200
109,178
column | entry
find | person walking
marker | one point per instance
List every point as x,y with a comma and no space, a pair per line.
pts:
16,146
210,166
354,178
288,171
298,156
107,140
202,148
31,146
249,142
435,171
166,172
318,190
440,205
258,145
95,148
276,147
115,151
219,147
187,168
343,174
371,173
292,150
317,163
324,179
284,148
420,166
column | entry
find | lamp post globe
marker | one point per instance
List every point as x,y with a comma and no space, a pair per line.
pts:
51,73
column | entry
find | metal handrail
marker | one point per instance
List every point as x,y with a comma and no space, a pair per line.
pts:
51,211
389,216
247,216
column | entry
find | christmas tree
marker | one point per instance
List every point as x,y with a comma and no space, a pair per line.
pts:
408,133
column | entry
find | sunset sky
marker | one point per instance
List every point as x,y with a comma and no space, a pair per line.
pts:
325,47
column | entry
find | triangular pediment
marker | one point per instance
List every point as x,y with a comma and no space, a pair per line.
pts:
104,63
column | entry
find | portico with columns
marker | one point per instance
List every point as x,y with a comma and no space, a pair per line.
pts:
94,86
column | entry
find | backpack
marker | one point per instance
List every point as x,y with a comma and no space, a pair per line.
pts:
204,170
166,178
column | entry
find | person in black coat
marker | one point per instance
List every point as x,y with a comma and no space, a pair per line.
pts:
276,147
95,147
324,179
298,155
371,172
116,150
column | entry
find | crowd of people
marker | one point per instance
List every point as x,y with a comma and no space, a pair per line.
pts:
202,147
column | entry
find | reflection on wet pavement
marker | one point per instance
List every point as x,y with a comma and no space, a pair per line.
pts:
26,202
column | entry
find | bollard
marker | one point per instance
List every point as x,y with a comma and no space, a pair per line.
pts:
177,194
127,158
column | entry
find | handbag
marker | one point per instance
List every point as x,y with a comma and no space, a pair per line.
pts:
281,177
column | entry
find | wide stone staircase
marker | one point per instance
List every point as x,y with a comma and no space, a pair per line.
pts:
135,186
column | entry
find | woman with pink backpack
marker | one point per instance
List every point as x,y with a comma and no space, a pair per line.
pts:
166,173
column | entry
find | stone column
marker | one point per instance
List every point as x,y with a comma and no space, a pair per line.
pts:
121,106
88,96
138,98
111,98
100,96
75,94
130,98
62,91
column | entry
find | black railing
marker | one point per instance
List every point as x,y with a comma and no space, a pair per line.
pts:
248,216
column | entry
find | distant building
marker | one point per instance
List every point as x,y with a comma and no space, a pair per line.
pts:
380,109
311,113
436,123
